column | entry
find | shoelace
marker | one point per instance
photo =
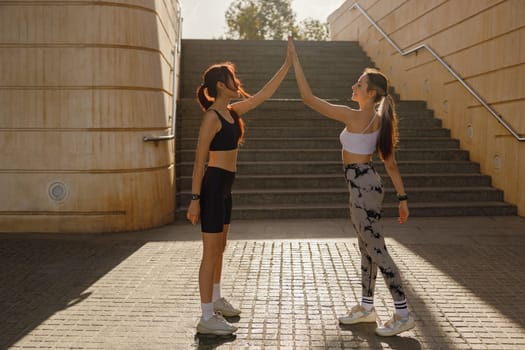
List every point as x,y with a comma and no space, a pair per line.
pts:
359,308
227,303
391,323
356,308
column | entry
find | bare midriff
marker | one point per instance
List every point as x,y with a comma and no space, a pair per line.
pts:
352,158
226,160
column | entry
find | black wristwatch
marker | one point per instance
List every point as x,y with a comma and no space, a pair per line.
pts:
195,196
402,197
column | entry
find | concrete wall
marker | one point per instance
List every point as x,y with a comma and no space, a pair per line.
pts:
484,42
81,84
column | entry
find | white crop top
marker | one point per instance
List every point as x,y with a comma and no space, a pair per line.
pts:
360,143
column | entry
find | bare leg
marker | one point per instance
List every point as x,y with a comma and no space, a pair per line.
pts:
212,250
218,267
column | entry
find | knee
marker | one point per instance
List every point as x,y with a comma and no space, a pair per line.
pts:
211,254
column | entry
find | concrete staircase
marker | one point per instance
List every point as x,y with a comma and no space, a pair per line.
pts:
289,165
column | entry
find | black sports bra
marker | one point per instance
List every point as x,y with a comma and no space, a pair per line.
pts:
228,137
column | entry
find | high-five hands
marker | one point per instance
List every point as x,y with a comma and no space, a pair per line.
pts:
291,50
289,53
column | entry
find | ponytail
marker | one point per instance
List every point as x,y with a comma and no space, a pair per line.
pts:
203,98
388,137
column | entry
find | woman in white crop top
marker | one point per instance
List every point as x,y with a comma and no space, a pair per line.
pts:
369,128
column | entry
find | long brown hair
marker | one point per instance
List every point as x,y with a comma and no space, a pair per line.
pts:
207,91
388,137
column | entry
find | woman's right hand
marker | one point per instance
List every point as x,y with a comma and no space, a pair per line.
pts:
290,53
403,212
194,211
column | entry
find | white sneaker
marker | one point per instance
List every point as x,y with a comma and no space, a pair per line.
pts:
358,314
396,325
215,325
225,308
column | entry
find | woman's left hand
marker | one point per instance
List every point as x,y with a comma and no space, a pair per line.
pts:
290,51
193,212
403,212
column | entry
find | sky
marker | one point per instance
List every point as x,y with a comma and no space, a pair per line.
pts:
204,19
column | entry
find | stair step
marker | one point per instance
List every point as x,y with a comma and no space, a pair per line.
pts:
340,195
291,108
324,131
305,121
334,210
333,167
190,104
313,131
327,142
336,180
300,154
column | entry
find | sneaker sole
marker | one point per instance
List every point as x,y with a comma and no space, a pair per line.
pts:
358,321
203,330
401,330
226,314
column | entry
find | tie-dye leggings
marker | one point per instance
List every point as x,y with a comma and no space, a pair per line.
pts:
366,198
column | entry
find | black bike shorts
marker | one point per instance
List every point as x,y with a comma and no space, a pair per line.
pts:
216,199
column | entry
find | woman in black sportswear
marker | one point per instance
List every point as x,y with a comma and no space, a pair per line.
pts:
220,133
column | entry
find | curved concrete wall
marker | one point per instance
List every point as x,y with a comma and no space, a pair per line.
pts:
81,84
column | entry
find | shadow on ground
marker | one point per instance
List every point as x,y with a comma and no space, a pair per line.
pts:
363,336
209,342
40,277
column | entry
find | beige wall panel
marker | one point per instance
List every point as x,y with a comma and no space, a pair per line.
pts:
421,79
73,25
397,20
74,67
496,84
491,55
167,13
502,85
432,20
62,150
448,105
489,38
477,142
63,223
512,111
501,160
84,108
94,202
340,23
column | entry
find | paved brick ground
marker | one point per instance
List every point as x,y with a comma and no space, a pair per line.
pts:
464,279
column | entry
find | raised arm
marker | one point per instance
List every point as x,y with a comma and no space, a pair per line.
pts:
333,111
267,91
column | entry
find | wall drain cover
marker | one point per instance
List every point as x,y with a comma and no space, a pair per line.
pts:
57,191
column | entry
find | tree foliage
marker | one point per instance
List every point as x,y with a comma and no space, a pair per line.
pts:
312,29
270,20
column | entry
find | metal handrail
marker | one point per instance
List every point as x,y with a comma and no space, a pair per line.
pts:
175,68
498,117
